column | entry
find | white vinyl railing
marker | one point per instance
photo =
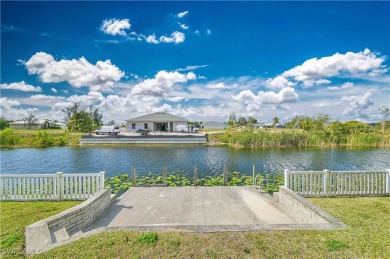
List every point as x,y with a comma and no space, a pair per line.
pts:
337,183
57,186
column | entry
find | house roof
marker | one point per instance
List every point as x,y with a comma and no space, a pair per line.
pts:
158,117
23,122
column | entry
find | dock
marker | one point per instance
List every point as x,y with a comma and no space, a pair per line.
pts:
155,138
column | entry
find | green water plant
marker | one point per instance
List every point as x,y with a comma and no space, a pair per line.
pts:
269,182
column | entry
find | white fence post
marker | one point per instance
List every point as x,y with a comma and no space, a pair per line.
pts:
101,174
286,176
254,173
59,186
388,181
326,181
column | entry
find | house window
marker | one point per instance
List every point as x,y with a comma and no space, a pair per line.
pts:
132,125
146,125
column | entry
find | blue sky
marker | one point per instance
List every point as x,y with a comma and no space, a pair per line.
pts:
200,61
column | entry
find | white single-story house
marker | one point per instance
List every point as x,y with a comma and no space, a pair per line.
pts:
159,121
22,125
40,124
214,125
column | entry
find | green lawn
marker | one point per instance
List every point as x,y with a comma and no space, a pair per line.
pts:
15,216
367,237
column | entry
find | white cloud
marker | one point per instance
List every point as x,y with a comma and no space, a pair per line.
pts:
286,95
346,85
41,100
175,99
182,14
152,39
197,32
357,105
161,84
208,32
191,68
322,82
77,72
279,82
176,37
65,91
191,76
324,104
5,102
353,63
183,26
163,108
53,90
21,86
221,85
115,26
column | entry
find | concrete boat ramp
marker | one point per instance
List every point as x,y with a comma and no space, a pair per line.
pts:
191,209
206,209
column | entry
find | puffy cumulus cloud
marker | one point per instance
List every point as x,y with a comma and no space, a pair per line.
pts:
115,26
152,39
346,85
363,62
279,82
19,113
5,102
77,72
161,84
286,95
191,76
182,14
176,37
163,108
21,86
357,105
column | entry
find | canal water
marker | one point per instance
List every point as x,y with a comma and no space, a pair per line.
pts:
209,159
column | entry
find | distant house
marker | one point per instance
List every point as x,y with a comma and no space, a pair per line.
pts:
22,125
214,125
41,124
159,121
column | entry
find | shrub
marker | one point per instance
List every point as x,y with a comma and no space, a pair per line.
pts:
8,138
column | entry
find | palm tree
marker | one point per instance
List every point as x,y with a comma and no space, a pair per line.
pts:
385,111
276,120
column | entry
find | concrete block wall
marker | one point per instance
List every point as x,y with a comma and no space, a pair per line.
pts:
81,216
40,235
301,208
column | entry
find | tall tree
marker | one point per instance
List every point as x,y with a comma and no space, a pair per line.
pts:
78,119
252,120
241,121
3,123
385,112
30,120
96,116
276,120
232,118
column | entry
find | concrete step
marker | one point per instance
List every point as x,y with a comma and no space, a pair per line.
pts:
60,235
78,233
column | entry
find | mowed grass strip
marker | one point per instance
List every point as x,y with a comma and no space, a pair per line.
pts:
16,216
368,236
